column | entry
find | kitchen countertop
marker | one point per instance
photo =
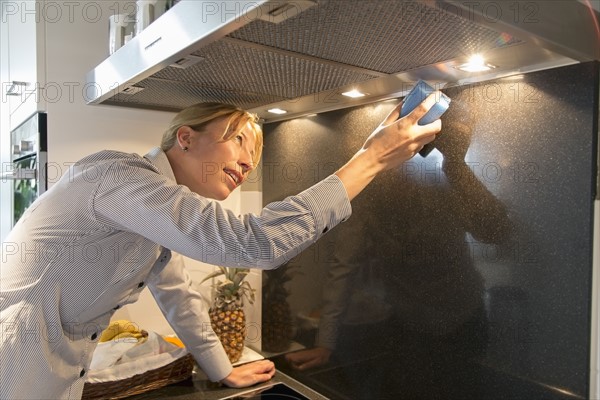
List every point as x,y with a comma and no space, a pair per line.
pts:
198,387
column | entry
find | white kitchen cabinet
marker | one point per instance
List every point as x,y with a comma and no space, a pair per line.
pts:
24,41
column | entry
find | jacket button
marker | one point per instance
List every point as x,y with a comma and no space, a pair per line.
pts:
94,336
82,373
116,307
325,230
140,284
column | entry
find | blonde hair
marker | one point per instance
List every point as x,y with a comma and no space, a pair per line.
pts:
199,115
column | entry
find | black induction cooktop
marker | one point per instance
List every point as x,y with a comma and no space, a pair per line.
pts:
272,392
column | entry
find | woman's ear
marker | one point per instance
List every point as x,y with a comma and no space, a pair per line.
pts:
184,134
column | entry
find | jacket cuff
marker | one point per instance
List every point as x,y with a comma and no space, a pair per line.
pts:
329,203
214,363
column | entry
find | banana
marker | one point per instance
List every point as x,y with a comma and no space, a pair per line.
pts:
124,335
120,327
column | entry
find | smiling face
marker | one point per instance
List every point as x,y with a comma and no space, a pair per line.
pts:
210,162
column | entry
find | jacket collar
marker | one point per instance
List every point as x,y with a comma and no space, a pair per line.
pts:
159,159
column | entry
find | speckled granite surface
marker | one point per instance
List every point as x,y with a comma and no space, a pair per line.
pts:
471,263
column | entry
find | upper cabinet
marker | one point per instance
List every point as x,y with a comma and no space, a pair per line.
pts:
23,53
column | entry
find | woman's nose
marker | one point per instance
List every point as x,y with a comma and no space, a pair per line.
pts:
245,167
245,162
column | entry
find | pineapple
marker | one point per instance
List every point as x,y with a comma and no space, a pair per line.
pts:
226,311
277,324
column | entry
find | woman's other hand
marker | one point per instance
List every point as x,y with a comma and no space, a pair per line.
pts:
250,374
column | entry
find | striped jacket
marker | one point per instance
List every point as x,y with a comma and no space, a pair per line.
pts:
105,231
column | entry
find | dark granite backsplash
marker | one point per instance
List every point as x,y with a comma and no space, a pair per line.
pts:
464,274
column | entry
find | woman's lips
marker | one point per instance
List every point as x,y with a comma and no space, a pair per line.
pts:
235,177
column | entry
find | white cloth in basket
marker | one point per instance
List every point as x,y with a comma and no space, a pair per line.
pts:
121,359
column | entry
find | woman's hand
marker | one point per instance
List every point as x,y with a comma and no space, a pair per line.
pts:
305,359
397,140
393,142
250,374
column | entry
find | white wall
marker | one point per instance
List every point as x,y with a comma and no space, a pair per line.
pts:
74,46
76,40
5,185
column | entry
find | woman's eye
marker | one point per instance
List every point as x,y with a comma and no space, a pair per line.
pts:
239,138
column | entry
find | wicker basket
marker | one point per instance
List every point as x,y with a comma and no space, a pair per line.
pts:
177,371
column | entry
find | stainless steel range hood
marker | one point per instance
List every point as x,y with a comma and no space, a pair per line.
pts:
300,55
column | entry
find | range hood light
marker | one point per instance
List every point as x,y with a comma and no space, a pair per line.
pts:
353,94
187,61
131,89
475,64
277,111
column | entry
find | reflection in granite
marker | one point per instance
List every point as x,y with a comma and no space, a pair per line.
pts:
464,274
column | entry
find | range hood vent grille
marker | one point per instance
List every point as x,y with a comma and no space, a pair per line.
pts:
250,76
386,36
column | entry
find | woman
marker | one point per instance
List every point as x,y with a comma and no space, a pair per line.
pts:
102,233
